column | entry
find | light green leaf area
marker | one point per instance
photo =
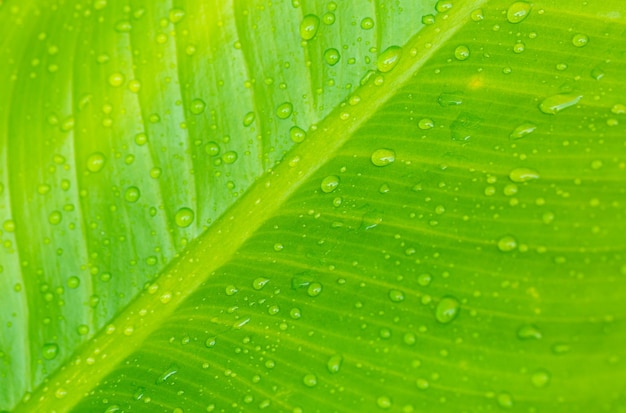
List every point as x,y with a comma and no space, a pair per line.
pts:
313,206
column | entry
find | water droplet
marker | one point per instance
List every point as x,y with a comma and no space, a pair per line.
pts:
367,23
249,119
522,130
424,279
461,52
618,109
396,296
556,103
95,162
50,351
464,126
169,372
329,184
132,194
384,402
332,56
176,15
477,15
184,217
295,313
450,99
309,26
443,6
212,148
389,59
297,134
529,332
310,380
447,310
328,18
519,175
314,289
561,348
197,106
505,400
231,290
507,243
83,329
55,217
334,363
383,157
426,123
259,283
540,378
141,139
422,384
284,110
580,40
60,393
229,157
517,12
73,282
116,79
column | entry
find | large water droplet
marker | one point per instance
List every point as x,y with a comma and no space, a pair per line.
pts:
461,52
95,162
447,310
383,157
523,175
332,56
197,106
309,26
556,103
523,130
329,184
49,351
367,23
389,59
517,12
297,134
184,217
284,110
132,194
580,40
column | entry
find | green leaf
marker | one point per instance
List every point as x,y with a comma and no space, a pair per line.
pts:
312,206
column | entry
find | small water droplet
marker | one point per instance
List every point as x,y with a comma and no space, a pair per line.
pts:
447,310
210,342
507,243
461,52
95,162
422,384
426,123
297,134
309,26
184,217
132,194
212,148
519,175
328,18
522,130
73,282
169,372
464,126
556,103
259,283
367,23
505,400
116,79
284,110
540,378
384,402
329,184
49,351
55,217
424,279
197,106
229,157
450,99
580,40
314,289
176,15
383,157
428,19
529,332
561,348
231,290
141,139
517,12
332,56
388,59
477,15
310,380
396,296
334,363
248,119
443,6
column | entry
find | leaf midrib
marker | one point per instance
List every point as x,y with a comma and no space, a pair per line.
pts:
189,270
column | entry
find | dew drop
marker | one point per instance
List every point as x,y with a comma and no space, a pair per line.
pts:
461,53
331,56
176,15
426,123
528,332
384,402
443,6
517,12
297,134
383,157
229,157
505,400
50,351
231,290
389,59
310,380
328,18
540,378
132,194
116,79
519,175
169,372
210,342
284,110
507,243
141,139
556,103
184,217
522,130
212,148
73,282
396,296
422,384
450,99
329,184
55,217
309,26
95,162
580,40
334,363
259,283
197,106
424,279
447,310
428,19
367,23
314,289
477,15
249,119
